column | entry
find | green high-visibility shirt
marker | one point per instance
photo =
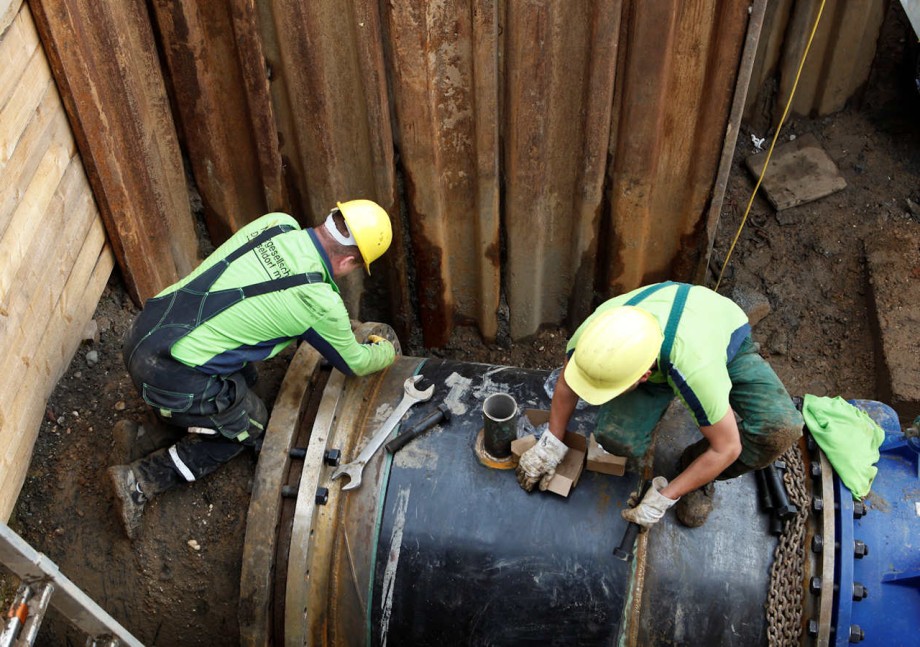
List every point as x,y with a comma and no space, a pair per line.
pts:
259,327
708,336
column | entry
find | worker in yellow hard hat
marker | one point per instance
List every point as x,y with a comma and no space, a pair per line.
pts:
190,352
638,351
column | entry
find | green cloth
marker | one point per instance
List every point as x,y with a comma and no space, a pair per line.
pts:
849,438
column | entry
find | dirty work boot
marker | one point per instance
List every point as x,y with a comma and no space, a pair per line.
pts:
131,440
129,500
693,508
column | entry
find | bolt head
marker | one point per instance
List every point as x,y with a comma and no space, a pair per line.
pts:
817,544
860,549
857,635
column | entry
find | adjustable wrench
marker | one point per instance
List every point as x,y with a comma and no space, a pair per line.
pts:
412,396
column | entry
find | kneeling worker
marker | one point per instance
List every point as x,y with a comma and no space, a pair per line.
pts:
190,350
632,356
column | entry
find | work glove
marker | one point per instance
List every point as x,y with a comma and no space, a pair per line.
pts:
540,461
375,339
652,507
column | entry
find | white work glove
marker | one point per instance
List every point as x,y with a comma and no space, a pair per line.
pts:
653,505
540,461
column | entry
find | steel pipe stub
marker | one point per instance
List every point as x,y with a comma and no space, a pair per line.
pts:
500,415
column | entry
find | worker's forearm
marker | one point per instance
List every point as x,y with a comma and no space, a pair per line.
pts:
562,407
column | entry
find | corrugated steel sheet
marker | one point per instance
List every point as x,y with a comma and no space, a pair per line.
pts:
105,64
534,155
838,62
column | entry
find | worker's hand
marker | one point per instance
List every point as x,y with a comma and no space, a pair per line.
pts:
540,461
652,507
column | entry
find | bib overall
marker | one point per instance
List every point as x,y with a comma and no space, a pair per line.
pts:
770,422
223,407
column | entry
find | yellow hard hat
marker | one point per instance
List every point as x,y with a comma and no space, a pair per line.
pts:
613,352
370,226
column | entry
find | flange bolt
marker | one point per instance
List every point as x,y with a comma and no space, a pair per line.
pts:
322,496
857,635
860,549
814,585
817,504
859,510
817,544
816,470
332,457
813,628
860,592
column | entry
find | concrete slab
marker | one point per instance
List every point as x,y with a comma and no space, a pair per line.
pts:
893,263
800,171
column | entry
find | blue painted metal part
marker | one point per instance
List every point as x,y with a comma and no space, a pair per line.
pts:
890,571
843,569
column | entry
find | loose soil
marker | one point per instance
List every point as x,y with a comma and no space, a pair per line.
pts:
177,583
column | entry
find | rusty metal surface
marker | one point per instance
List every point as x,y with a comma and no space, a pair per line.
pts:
674,94
331,587
838,62
446,97
825,602
560,70
256,581
534,157
105,64
220,87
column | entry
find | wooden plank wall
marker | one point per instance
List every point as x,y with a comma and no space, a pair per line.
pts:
55,256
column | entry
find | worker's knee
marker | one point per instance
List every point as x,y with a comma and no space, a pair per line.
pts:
622,444
770,446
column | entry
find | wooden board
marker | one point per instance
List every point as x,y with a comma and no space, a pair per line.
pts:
26,96
20,426
25,222
8,11
40,283
799,172
48,125
18,44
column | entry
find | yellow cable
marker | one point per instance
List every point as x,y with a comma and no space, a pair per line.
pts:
766,162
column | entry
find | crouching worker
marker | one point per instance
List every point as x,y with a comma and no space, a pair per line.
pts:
190,350
632,356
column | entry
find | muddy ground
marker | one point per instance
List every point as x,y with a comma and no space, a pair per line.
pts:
177,584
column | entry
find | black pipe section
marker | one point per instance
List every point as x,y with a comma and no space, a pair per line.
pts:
763,491
783,508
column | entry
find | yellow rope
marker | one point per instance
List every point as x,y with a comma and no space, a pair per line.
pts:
766,162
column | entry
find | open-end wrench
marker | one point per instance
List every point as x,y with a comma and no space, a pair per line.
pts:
412,396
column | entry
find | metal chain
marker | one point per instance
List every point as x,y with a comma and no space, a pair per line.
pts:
784,600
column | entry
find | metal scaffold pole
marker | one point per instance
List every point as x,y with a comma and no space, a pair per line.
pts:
43,583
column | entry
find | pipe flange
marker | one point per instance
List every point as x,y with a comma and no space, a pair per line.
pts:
487,459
